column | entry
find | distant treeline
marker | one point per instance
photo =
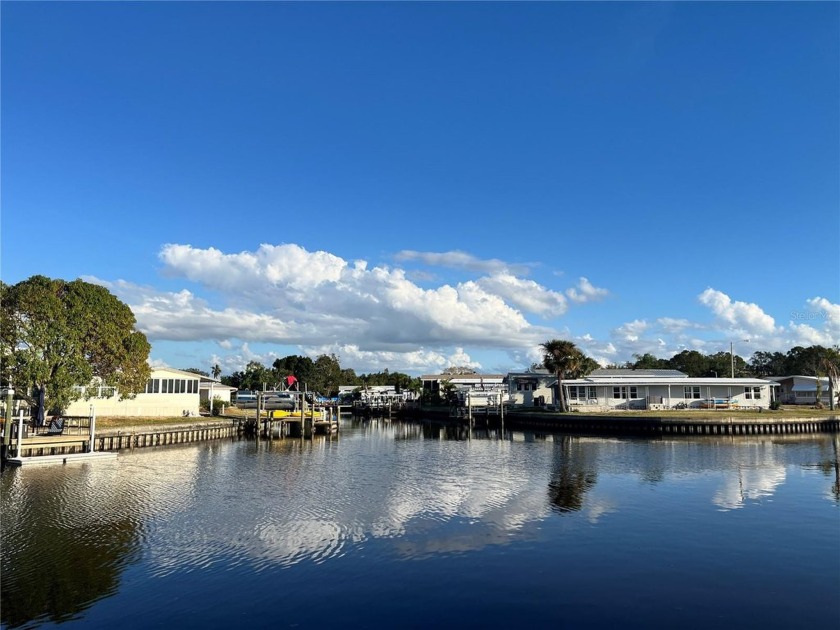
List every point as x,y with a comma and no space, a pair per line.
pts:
325,373
810,361
322,375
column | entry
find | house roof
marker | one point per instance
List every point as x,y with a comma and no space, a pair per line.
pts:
175,371
677,382
630,373
462,377
810,379
210,384
531,373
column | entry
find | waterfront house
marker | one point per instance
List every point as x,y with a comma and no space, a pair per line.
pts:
210,388
535,387
376,395
802,390
614,389
434,383
168,392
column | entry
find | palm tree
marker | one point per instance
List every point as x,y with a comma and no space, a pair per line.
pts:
831,370
216,371
561,357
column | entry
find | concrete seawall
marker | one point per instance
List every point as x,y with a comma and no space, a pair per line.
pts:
617,423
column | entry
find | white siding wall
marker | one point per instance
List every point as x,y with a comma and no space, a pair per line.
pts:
526,397
157,405
150,405
606,399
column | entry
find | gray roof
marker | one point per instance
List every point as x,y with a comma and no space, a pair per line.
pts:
624,372
460,377
611,381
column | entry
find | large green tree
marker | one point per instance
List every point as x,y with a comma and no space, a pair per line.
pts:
301,367
808,361
765,363
648,362
256,377
55,335
565,360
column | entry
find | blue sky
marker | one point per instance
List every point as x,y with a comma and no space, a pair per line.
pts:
415,185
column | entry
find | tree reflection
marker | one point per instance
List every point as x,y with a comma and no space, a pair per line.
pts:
53,569
835,488
572,476
829,464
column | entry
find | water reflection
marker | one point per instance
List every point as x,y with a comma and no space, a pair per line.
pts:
379,492
60,551
574,474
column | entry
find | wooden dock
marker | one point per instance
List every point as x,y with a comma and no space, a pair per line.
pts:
283,424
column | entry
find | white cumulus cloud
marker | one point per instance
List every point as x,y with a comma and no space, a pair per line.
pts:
743,316
525,294
586,292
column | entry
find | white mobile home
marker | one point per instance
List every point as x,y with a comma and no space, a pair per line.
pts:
802,390
168,392
614,389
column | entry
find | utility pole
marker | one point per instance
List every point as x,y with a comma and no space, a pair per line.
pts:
732,355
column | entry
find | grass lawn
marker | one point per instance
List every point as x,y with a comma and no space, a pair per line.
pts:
118,422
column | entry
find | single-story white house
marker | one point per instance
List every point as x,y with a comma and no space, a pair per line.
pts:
210,388
802,390
619,388
611,389
169,392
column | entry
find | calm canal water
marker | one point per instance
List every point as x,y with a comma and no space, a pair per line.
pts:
407,525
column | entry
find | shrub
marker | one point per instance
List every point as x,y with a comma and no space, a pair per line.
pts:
775,405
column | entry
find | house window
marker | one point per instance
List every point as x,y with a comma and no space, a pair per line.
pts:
751,393
573,392
692,392
620,392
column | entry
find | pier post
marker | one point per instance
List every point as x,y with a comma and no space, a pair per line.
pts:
8,420
257,420
20,435
92,428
